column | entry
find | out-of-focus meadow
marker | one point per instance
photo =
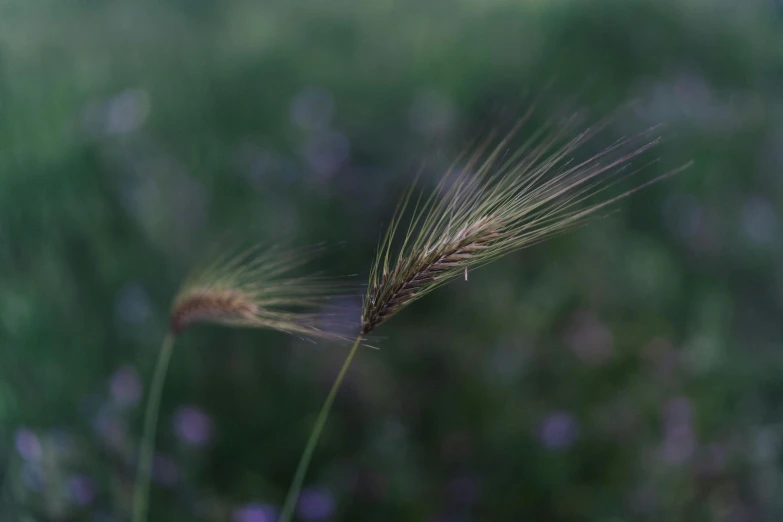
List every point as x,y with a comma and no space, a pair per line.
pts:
632,370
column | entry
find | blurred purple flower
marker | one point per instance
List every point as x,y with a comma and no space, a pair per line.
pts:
312,109
125,386
558,430
254,512
165,471
193,426
678,445
315,504
589,339
714,459
326,152
464,490
82,490
678,412
28,445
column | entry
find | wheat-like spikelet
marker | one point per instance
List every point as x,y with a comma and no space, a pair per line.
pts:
252,289
450,253
501,200
216,305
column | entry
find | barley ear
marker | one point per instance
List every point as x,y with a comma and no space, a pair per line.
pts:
251,288
500,200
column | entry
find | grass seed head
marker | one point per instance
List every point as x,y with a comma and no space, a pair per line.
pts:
501,200
254,289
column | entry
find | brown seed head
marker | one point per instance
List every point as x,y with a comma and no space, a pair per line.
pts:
221,306
254,288
499,200
442,260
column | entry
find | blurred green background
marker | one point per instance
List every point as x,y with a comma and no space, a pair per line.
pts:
632,370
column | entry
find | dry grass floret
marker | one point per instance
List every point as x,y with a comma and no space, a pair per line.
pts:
501,200
254,289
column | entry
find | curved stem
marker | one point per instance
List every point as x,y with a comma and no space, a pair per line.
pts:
307,454
147,449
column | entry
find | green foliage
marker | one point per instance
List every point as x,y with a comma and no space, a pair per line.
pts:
627,371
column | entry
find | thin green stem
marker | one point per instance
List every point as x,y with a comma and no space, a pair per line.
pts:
147,449
315,434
